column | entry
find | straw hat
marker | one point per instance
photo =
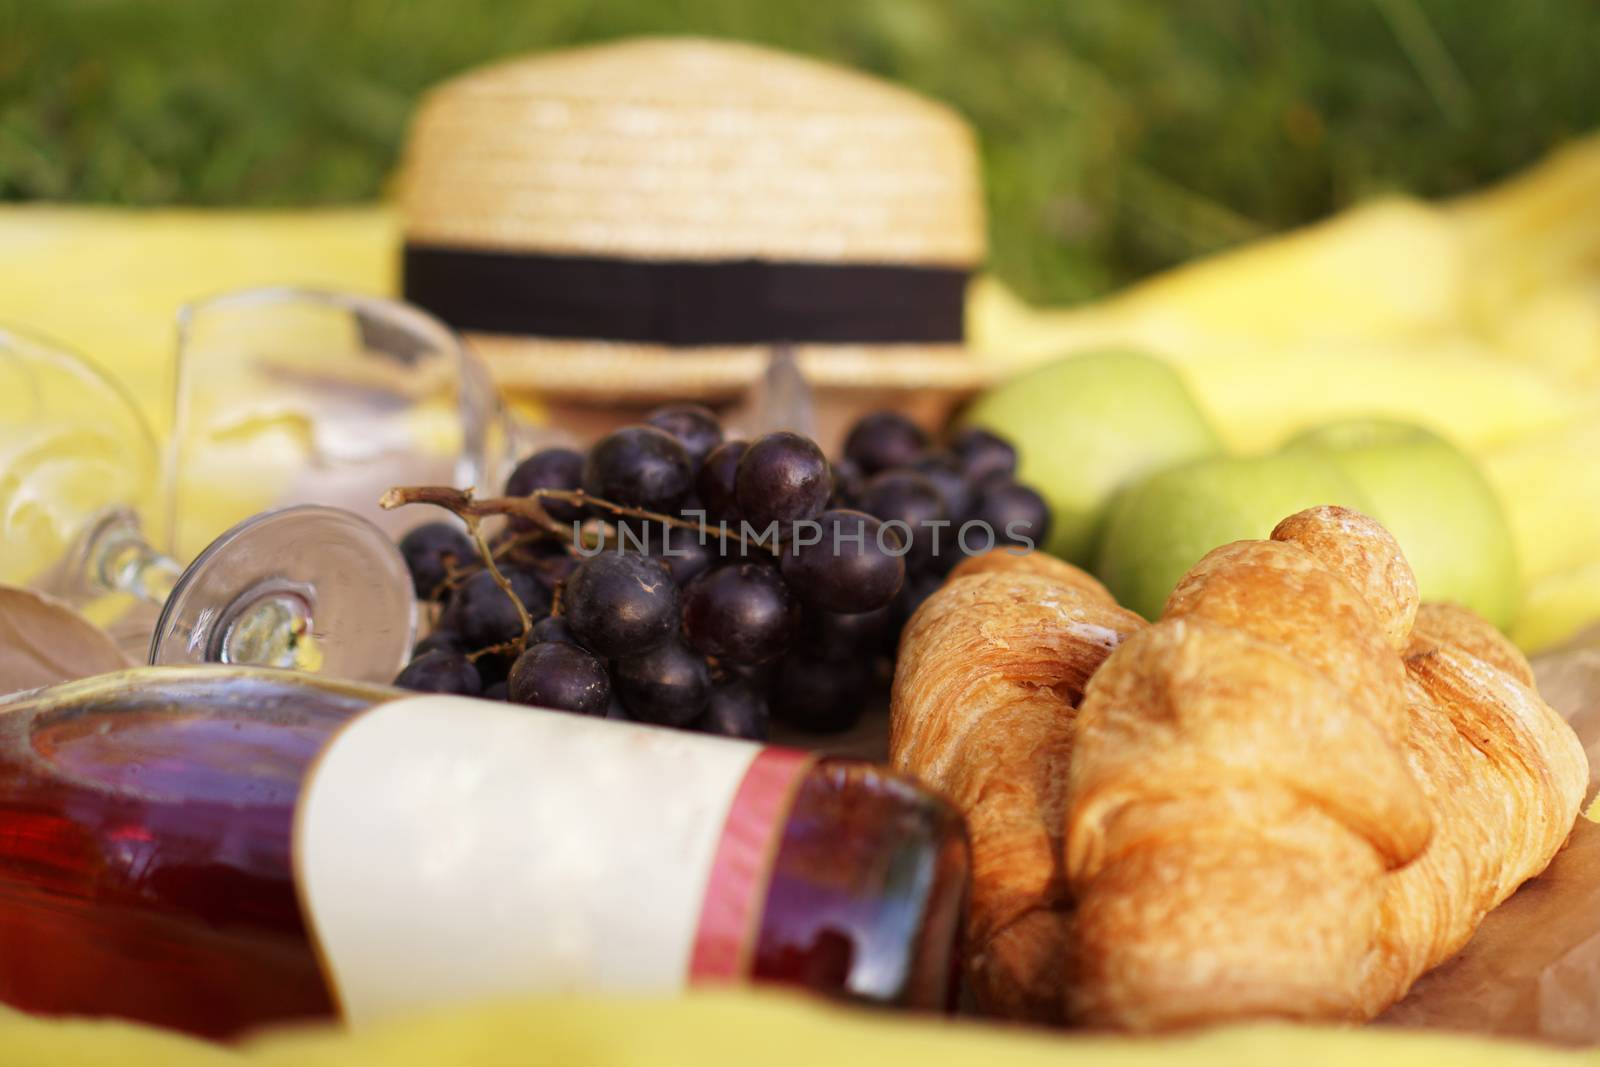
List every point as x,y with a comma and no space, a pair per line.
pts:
642,220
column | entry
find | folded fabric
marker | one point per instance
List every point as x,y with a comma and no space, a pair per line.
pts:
726,1029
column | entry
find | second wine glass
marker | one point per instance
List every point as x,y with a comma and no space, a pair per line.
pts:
303,396
321,400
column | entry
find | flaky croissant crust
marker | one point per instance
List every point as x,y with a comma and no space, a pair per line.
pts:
989,672
1289,797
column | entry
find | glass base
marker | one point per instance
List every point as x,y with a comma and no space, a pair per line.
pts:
305,588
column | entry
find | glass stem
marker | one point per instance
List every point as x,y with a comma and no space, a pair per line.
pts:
121,560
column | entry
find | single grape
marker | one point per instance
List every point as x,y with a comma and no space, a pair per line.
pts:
553,628
553,674
1016,514
668,685
735,709
944,471
983,454
821,696
740,612
440,671
481,613
431,552
715,484
621,604
782,478
913,503
450,619
684,552
850,568
528,548
545,557
498,691
529,587
552,571
550,468
484,615
828,635
639,466
443,637
847,484
884,440
690,554
695,427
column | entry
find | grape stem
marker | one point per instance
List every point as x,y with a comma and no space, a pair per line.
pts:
465,505
516,644
475,528
461,503
510,545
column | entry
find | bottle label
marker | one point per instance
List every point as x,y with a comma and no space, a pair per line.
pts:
449,850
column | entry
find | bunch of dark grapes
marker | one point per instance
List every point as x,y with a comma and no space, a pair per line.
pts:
780,594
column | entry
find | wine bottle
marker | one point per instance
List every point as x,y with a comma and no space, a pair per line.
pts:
215,848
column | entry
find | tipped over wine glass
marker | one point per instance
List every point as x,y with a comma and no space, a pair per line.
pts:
287,399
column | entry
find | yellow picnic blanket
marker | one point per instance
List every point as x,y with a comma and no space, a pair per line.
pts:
741,1030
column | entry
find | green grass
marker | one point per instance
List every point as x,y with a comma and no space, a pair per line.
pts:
1120,136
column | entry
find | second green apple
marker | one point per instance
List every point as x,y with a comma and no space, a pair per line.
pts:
1438,504
1429,494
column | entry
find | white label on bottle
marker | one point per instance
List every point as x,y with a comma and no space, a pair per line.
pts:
449,850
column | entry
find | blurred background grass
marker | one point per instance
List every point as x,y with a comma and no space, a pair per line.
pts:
1120,136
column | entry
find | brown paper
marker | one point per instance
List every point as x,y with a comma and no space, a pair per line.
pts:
1569,681
1533,968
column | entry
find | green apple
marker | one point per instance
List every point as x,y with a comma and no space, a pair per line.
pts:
1160,527
1085,426
1438,505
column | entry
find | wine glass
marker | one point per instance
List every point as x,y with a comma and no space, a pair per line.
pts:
74,451
309,586
79,466
300,396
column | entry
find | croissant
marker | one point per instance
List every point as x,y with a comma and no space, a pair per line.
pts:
990,669
1505,776
1290,797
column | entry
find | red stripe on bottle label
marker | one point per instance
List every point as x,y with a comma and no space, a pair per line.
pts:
742,867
